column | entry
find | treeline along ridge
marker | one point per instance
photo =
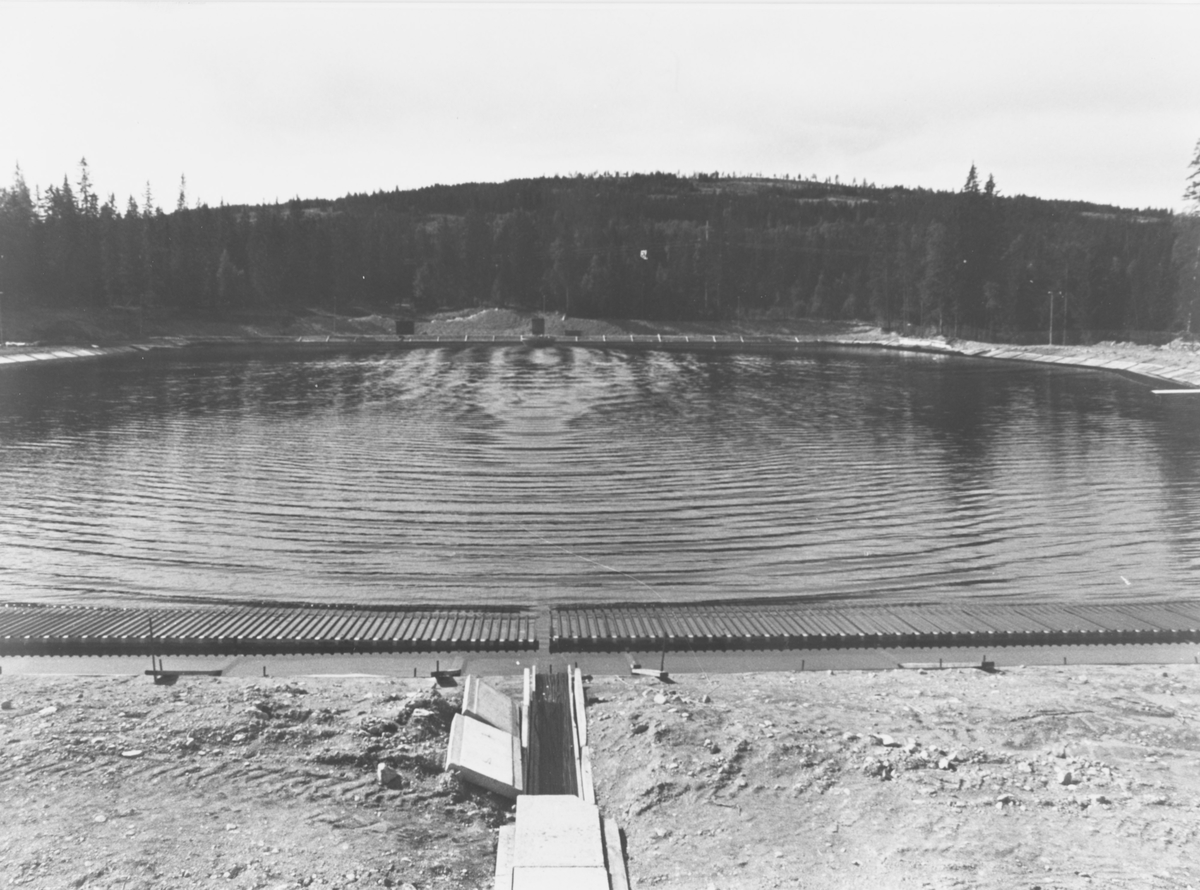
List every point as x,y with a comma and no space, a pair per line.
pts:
651,246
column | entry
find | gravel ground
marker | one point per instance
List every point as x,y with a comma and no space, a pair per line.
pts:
1032,777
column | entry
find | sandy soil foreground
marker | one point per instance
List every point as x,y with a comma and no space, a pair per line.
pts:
1030,777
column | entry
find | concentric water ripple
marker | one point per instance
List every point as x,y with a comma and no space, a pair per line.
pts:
502,475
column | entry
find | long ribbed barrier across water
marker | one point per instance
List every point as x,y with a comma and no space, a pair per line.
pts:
259,630
28,629
796,626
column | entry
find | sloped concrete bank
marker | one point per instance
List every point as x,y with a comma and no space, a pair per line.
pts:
1169,369
58,354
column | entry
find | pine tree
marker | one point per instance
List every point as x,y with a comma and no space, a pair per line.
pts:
1191,194
17,237
971,186
89,201
936,286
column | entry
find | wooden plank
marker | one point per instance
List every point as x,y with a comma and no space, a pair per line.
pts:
484,703
614,853
506,846
580,708
525,712
587,785
557,831
518,760
559,878
576,751
485,756
526,729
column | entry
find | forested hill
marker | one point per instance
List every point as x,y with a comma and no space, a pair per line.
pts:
654,246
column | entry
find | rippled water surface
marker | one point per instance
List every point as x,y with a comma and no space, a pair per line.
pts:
514,476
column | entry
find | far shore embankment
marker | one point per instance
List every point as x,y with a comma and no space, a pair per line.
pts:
1176,364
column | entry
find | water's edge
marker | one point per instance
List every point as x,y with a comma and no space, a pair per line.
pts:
1151,371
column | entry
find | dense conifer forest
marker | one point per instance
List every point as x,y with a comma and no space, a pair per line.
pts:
652,246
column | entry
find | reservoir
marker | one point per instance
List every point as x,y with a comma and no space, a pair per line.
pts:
476,475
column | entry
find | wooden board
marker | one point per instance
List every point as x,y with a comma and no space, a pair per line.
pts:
576,750
587,786
559,879
505,848
614,853
484,703
580,708
557,831
485,756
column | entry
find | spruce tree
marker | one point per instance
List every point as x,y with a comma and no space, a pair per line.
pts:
971,186
18,247
1191,194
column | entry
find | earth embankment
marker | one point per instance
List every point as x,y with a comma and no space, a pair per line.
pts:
1067,777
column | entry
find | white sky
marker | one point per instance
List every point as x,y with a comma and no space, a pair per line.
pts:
258,102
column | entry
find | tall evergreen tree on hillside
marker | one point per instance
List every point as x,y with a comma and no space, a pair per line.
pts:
937,277
1191,193
62,267
89,201
971,186
110,252
17,234
1187,249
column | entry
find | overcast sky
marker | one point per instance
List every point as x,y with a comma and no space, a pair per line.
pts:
258,102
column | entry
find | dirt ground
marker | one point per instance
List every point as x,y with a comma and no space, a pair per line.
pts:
1034,777
114,782
1030,777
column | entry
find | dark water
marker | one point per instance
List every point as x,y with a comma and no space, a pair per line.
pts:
574,475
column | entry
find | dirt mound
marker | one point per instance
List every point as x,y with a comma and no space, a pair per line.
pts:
251,784
504,323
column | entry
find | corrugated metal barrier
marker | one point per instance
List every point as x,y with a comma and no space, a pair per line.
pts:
795,626
27,629
31,629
